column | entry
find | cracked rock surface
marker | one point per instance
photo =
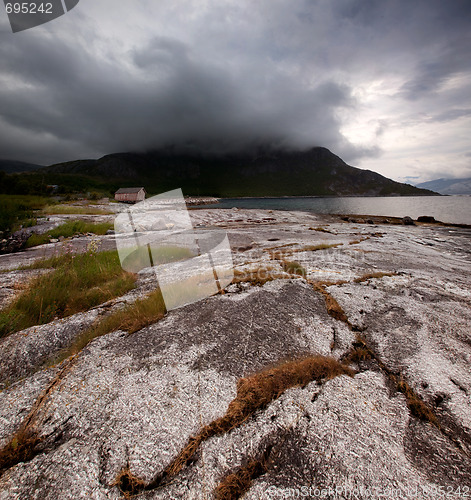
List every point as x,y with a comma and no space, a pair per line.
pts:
134,400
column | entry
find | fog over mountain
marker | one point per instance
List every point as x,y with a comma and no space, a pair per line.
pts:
262,172
385,85
448,186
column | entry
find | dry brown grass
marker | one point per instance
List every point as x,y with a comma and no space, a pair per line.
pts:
254,393
282,254
356,242
415,403
320,229
21,448
128,483
333,307
131,318
26,443
134,317
293,267
233,486
320,246
325,283
370,276
279,247
257,277
359,354
263,274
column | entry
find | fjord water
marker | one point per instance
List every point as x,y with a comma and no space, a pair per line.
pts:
452,209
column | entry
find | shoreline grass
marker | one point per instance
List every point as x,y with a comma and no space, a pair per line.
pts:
74,210
78,283
146,256
67,230
19,210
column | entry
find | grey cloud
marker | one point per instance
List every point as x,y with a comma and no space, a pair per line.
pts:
171,97
356,152
442,45
161,51
381,127
433,72
234,76
451,114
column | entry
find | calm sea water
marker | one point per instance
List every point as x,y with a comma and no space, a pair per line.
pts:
454,209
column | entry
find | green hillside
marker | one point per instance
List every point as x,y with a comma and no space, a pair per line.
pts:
316,172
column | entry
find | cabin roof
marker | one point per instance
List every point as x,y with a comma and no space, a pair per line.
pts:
129,190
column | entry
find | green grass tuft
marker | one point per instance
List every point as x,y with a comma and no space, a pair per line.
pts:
67,230
140,258
16,211
73,209
78,283
131,318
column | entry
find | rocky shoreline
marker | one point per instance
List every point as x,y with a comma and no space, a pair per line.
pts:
388,300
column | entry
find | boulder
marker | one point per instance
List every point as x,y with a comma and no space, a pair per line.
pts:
426,218
14,243
157,225
408,221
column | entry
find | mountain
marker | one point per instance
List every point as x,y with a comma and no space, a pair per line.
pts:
12,166
262,173
448,186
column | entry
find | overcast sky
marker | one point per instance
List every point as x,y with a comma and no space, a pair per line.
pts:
385,84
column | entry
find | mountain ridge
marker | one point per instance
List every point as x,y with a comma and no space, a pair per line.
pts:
14,166
315,172
448,186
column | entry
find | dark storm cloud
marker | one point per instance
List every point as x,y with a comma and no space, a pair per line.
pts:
206,105
168,97
230,77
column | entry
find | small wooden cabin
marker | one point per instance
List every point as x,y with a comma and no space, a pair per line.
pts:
130,195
